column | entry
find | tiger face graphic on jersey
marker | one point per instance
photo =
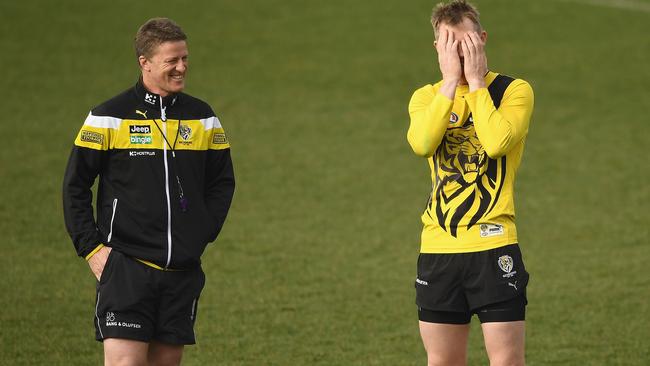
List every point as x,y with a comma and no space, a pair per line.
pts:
468,182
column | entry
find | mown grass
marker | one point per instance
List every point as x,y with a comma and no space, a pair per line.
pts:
316,262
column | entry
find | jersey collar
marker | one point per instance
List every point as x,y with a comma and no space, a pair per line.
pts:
152,100
489,78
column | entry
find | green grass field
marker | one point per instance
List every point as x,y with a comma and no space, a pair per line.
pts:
316,263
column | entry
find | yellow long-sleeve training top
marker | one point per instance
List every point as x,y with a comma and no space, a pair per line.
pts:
474,145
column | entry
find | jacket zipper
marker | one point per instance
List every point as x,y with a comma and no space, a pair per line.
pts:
163,117
110,232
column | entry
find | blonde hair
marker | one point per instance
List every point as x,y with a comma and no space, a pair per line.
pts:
453,13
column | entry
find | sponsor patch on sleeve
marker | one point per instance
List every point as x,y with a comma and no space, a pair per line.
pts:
219,138
92,137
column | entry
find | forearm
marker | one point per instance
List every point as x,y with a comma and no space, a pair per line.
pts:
448,88
500,130
429,122
220,187
77,201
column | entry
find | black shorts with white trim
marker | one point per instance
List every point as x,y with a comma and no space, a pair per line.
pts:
138,302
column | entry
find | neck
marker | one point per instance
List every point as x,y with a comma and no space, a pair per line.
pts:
149,85
463,81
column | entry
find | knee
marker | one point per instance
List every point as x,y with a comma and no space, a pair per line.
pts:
165,363
169,358
126,361
445,360
508,360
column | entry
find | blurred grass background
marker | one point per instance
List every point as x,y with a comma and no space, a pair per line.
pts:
316,263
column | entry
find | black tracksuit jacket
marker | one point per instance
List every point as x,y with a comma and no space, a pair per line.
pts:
161,197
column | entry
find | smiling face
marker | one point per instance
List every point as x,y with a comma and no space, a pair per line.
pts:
164,71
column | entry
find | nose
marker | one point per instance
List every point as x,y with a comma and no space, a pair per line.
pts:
181,66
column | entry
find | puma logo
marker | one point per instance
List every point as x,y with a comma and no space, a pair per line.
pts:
513,284
144,114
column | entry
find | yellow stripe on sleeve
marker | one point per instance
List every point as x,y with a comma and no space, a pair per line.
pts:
95,138
218,140
100,246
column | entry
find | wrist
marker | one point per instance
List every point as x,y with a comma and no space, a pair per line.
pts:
451,81
448,88
94,251
476,84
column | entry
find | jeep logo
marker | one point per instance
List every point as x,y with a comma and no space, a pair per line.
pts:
139,129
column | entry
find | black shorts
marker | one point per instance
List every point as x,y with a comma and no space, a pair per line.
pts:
462,284
138,302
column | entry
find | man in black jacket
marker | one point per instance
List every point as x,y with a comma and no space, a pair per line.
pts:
165,186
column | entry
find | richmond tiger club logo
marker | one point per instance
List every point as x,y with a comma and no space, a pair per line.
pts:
506,264
467,182
185,132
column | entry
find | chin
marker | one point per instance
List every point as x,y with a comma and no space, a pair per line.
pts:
176,88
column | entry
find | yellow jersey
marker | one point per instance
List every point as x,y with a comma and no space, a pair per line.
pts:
474,146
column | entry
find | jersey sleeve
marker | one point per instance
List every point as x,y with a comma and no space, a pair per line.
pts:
84,165
429,112
499,130
216,133
220,177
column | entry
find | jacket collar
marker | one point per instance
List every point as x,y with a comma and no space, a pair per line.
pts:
152,100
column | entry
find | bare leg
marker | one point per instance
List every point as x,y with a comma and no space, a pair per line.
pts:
163,354
125,352
505,343
446,344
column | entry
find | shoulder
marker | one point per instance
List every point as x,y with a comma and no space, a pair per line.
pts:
522,86
425,93
429,89
522,92
195,108
119,106
517,86
423,97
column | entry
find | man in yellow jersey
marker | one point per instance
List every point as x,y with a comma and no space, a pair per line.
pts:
471,126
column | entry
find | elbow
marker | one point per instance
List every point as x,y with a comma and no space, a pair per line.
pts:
422,151
497,148
495,151
497,145
420,147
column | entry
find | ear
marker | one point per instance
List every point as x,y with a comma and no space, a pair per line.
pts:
484,36
144,63
436,32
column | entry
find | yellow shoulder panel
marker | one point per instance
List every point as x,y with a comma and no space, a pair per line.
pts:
95,138
218,140
192,135
96,132
216,136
